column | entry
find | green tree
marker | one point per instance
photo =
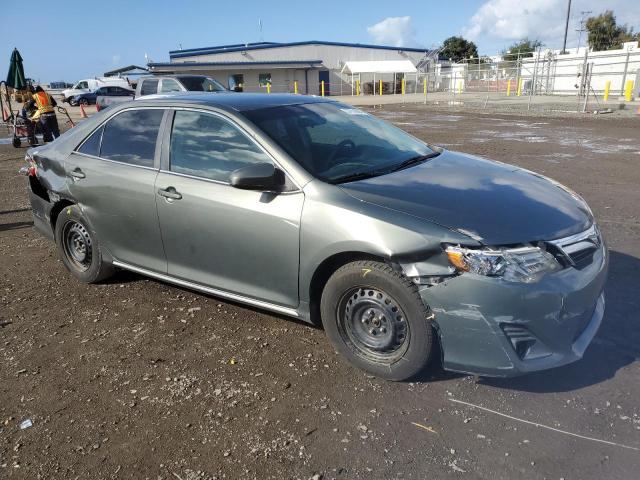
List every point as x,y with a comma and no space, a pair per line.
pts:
457,49
606,34
521,49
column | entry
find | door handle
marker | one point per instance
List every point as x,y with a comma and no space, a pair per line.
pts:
169,192
76,173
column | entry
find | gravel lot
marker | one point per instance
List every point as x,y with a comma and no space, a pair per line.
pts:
138,379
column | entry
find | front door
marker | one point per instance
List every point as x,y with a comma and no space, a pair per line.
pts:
240,241
323,76
111,176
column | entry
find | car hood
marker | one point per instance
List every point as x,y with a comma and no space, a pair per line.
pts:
495,203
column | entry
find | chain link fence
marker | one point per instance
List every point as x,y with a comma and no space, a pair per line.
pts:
542,80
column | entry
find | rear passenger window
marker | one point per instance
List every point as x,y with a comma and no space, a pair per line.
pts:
131,136
169,85
91,145
208,146
149,87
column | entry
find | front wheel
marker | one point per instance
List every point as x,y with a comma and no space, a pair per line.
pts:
78,247
374,316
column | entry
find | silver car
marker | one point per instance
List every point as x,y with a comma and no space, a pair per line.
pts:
318,210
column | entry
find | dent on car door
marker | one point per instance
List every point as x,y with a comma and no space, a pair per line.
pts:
240,241
111,176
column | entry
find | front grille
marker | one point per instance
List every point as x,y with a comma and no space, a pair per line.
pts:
577,250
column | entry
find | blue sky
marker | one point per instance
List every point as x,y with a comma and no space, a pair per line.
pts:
64,40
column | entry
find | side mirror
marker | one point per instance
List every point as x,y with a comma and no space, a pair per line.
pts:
258,176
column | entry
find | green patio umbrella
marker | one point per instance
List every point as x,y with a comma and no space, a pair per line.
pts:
15,77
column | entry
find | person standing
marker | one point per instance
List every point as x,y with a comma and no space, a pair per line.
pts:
45,114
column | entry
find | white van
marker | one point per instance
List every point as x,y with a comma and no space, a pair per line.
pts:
92,84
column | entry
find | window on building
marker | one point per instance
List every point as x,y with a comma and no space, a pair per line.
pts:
131,136
264,79
208,146
149,87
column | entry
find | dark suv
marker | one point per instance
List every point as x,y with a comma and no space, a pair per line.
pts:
177,83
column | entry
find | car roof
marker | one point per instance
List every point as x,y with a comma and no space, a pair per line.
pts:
234,101
174,75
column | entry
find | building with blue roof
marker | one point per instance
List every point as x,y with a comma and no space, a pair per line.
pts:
307,66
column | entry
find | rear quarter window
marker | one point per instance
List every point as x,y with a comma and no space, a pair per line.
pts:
149,87
91,146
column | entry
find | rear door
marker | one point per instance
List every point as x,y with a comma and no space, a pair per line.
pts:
111,176
240,241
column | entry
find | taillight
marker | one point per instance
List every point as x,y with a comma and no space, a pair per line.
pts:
32,170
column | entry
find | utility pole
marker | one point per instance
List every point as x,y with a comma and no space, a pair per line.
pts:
566,29
583,14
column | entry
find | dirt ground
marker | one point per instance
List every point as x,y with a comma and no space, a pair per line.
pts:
134,378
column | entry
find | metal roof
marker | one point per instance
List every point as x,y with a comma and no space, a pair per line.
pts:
234,101
263,45
221,65
126,69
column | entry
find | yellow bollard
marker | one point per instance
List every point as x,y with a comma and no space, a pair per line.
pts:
268,88
628,90
509,88
519,93
404,86
358,87
322,88
380,87
295,87
424,86
460,87
607,87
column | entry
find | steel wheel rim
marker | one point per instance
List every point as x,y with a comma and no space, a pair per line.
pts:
373,324
77,245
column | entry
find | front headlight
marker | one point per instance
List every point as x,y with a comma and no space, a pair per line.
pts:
525,264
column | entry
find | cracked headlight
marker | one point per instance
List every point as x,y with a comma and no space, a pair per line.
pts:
525,264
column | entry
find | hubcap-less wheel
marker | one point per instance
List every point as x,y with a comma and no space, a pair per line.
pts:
77,245
372,323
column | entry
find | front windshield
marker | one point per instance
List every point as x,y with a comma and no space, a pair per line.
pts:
336,142
201,84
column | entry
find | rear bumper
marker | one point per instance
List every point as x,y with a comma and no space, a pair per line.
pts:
41,212
495,328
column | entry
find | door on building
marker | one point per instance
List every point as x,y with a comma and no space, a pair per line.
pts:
236,82
323,75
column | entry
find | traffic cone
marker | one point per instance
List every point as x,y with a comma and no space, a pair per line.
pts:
83,114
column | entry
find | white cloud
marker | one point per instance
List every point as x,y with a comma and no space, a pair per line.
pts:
395,31
543,19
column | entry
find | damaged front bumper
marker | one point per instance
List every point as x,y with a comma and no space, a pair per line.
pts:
491,327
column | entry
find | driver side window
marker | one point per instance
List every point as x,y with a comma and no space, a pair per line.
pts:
208,146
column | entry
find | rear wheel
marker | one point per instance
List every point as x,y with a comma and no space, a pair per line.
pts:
375,317
84,101
78,247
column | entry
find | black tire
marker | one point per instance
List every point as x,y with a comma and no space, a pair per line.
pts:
84,101
365,297
79,248
16,142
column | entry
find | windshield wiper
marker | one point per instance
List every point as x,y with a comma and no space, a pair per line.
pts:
352,177
412,161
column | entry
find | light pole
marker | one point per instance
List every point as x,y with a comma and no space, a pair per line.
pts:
566,28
